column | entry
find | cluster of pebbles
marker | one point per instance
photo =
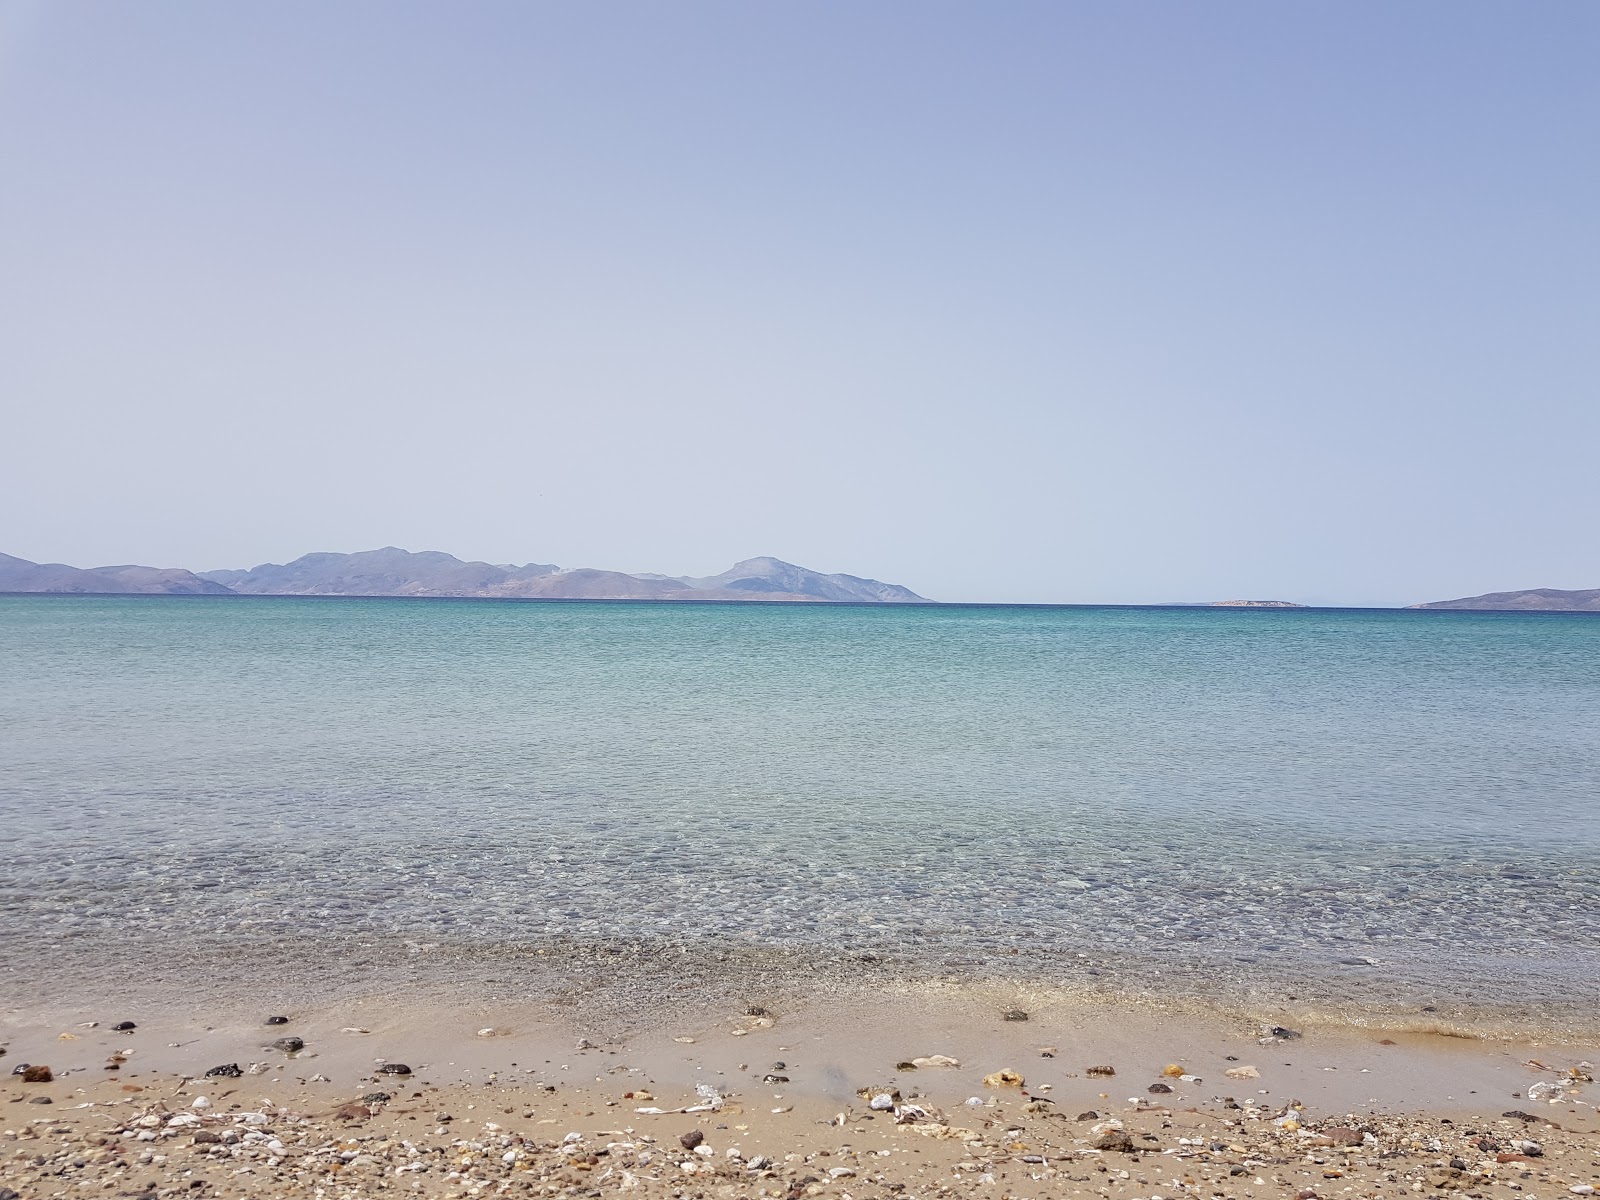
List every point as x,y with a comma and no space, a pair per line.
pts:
201,1138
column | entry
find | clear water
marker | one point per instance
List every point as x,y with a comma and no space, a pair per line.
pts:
1190,798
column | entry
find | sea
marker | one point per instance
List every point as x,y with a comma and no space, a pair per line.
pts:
1383,812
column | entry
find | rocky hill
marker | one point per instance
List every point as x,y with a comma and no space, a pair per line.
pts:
392,571
1532,600
20,575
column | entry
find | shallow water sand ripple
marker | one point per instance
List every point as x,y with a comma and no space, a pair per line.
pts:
1376,808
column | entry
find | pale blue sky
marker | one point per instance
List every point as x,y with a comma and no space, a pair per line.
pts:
1017,301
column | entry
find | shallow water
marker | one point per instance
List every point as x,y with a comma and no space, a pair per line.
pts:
1239,801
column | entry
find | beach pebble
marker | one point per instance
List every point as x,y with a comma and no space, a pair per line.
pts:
691,1139
289,1045
882,1102
1013,1014
124,1026
34,1074
936,1060
200,1102
1114,1139
277,1020
225,1071
396,1069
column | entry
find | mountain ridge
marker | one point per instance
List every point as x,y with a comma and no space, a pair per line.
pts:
1526,600
392,571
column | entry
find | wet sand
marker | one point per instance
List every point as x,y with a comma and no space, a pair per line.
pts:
1337,1110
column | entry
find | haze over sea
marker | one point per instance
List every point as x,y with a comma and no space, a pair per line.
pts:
1378,812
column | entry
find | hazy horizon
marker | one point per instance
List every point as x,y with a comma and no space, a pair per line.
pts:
1056,303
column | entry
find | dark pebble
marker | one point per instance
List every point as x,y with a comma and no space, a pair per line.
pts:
1161,1089
7,1194
400,1069
1091,1115
1278,1031
755,1010
289,1045
40,1100
1014,1014
691,1139
225,1071
780,1066
204,1137
774,1079
123,1026
277,1020
376,1098
905,1066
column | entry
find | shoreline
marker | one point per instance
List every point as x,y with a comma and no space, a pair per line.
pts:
628,983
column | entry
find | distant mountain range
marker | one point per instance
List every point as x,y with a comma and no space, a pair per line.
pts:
395,572
1532,600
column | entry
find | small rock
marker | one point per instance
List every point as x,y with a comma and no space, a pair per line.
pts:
771,1078
936,1060
36,1074
200,1102
277,1020
124,1026
40,1100
1091,1115
1161,1089
395,1069
1341,1136
225,1071
755,1010
882,1102
376,1098
691,1139
1014,1014
1100,1072
1242,1073
1115,1139
289,1045
1005,1077
1288,1035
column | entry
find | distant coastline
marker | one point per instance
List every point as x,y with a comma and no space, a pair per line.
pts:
393,573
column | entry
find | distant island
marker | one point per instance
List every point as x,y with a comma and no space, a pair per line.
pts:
1254,604
395,572
1532,600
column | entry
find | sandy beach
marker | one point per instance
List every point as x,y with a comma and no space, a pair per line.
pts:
956,1090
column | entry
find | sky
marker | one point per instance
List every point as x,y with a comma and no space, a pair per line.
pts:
1044,302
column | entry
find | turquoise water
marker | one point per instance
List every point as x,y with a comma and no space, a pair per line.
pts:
1245,799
